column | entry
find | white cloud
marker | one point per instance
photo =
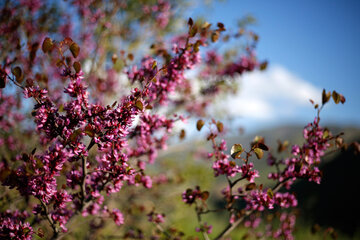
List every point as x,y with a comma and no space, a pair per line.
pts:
271,95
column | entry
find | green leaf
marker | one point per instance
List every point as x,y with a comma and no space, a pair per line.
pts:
47,45
236,151
270,193
75,49
200,123
259,153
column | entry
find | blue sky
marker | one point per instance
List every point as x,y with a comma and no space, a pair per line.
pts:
317,43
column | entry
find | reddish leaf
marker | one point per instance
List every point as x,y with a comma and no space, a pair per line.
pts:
68,41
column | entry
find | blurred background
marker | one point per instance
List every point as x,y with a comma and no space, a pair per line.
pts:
310,45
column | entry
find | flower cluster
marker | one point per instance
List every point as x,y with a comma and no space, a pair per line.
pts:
204,228
156,217
191,195
13,225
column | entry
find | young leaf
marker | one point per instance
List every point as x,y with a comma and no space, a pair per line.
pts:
336,97
221,26
75,49
214,36
18,74
182,134
236,151
77,67
205,195
197,46
263,65
200,123
190,22
220,126
114,58
68,41
139,105
47,45
193,31
250,186
270,193
342,99
89,131
259,153
130,56
262,146
325,96
2,82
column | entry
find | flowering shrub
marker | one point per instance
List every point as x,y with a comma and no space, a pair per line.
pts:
66,145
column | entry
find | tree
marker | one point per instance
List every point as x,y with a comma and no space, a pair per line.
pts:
93,120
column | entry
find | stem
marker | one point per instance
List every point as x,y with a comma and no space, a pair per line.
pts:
82,186
232,226
236,181
49,219
158,226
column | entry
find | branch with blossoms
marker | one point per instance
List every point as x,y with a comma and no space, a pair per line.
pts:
68,147
302,164
72,127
